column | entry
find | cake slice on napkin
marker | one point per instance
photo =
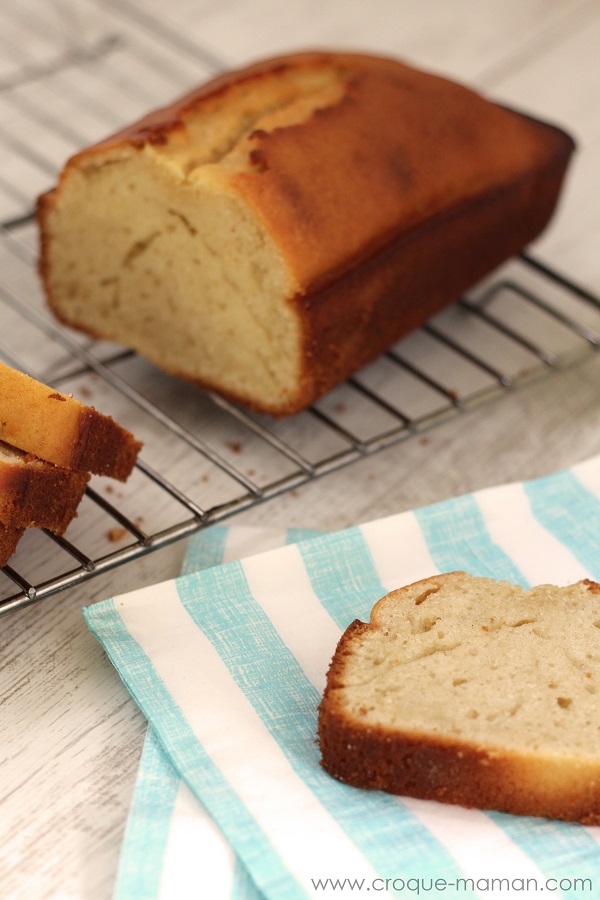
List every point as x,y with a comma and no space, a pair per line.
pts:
474,692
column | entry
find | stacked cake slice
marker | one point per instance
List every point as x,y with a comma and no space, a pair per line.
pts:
50,445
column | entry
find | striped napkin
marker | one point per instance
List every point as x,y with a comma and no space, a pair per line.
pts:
228,663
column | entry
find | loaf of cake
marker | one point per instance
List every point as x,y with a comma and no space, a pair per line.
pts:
473,692
278,228
62,430
37,494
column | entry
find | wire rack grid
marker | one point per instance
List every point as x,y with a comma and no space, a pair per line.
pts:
205,459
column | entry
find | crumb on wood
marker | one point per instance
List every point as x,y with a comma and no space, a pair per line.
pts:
110,489
116,534
234,446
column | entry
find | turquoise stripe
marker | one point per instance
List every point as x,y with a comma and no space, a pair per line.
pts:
295,535
243,888
146,835
178,740
205,549
571,513
562,850
343,575
287,702
457,538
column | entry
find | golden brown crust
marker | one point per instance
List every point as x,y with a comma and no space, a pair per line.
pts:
456,772
353,179
9,538
446,769
386,205
156,126
34,493
104,448
415,276
336,188
61,430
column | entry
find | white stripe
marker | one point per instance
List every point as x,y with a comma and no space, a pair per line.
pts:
480,847
196,853
588,473
225,723
593,831
247,540
399,550
540,556
285,593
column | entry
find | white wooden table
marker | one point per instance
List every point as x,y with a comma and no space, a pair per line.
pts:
71,735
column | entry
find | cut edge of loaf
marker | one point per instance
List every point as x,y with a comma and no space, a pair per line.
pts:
425,763
61,430
279,353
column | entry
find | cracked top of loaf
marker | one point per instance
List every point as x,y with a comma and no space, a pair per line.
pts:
271,232
333,185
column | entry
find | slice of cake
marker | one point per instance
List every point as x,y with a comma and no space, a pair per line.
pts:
60,429
34,493
473,692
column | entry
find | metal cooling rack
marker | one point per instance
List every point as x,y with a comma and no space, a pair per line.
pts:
205,459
